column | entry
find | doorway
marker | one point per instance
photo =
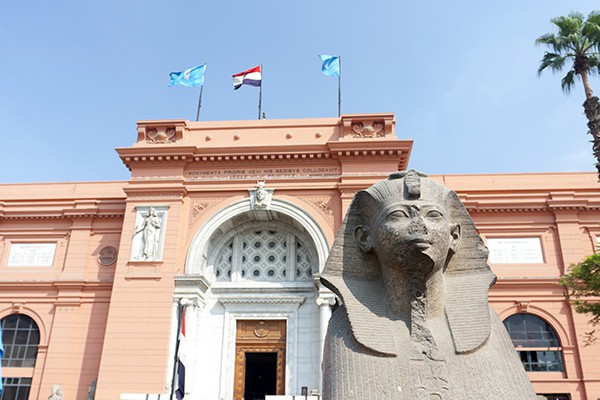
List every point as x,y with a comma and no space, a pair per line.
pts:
261,375
260,359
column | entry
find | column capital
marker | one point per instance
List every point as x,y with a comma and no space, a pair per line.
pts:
326,299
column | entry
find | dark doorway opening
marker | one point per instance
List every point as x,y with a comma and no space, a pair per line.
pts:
261,375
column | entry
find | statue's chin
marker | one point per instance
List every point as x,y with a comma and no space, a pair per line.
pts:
423,265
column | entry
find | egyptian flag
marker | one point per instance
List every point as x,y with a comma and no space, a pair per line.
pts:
181,355
252,77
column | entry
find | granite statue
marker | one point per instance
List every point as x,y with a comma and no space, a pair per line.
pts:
410,271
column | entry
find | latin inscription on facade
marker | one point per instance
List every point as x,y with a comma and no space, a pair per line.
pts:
262,173
31,255
515,251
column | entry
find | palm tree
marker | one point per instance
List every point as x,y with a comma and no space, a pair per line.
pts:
577,40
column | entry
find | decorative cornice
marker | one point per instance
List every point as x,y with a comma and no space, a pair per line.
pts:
74,209
44,285
236,154
27,216
503,209
262,300
195,282
371,148
154,193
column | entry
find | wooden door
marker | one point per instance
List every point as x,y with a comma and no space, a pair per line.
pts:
259,336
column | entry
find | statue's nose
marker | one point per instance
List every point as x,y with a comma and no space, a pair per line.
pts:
417,227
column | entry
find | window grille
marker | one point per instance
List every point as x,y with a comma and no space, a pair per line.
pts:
16,388
536,342
265,255
21,338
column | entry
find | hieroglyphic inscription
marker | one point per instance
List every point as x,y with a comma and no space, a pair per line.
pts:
430,379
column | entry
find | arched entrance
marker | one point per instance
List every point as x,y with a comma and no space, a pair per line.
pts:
258,267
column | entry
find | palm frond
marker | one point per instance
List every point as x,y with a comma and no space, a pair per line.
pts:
548,38
570,24
552,60
594,60
568,82
591,29
558,43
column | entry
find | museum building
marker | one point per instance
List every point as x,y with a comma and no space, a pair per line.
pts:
231,222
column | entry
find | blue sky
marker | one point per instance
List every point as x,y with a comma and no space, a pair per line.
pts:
460,77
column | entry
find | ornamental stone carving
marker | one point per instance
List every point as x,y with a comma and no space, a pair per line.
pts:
160,135
197,208
414,320
368,130
260,197
107,256
261,329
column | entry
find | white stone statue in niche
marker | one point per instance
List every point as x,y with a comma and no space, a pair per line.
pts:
260,198
149,233
56,393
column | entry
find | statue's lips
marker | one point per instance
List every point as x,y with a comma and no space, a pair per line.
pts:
420,243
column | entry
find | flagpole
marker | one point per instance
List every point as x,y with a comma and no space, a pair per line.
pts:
260,94
176,356
199,103
340,88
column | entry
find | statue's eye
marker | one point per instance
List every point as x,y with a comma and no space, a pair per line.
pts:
398,214
434,214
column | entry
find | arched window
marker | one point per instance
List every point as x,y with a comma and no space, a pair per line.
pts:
21,338
271,252
536,342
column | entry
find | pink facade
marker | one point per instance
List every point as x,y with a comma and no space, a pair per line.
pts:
71,260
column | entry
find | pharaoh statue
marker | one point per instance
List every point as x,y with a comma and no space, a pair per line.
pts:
414,321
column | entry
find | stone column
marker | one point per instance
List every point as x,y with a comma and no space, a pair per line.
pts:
192,308
324,301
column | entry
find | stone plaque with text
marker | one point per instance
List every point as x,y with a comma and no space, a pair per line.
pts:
515,251
31,255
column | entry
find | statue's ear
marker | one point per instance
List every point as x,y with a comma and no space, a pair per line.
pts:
363,238
455,237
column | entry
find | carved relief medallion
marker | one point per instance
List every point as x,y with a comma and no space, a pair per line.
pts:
261,330
107,256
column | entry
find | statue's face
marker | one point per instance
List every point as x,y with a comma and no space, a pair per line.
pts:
401,233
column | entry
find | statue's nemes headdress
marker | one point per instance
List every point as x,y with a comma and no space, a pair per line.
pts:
355,276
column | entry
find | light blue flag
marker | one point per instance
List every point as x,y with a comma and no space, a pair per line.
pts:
189,77
331,65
